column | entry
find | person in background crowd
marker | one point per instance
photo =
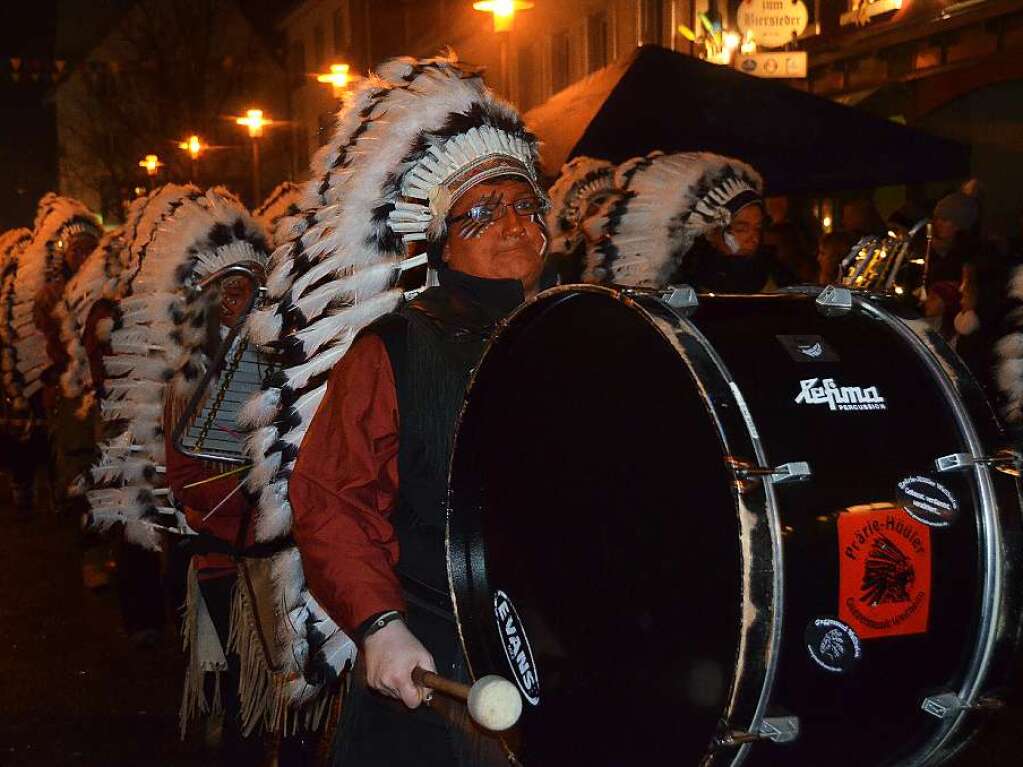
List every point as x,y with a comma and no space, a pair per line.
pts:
860,218
791,244
950,268
832,248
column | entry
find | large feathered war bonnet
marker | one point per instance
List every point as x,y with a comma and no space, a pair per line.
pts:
668,201
582,183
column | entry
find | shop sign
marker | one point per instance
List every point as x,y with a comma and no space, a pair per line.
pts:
862,11
788,64
773,23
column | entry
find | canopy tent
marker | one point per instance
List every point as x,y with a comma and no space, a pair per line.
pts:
801,143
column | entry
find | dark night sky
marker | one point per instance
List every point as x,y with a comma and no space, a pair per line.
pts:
27,127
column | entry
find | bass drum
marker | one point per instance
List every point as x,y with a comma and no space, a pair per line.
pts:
722,538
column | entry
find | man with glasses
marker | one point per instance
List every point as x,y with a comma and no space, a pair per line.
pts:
369,485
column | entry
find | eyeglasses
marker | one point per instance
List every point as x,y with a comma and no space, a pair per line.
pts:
486,213
741,228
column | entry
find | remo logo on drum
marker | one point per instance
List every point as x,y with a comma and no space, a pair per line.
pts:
885,572
516,648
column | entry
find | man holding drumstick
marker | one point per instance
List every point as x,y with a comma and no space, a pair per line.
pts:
369,486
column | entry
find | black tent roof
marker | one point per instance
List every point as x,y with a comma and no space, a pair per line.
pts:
801,143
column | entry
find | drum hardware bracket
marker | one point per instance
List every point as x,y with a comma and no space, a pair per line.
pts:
834,300
949,704
1005,461
681,299
796,471
780,729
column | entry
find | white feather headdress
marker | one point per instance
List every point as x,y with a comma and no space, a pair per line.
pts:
582,181
668,201
180,236
277,213
12,245
41,262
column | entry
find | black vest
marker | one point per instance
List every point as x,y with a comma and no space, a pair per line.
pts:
433,344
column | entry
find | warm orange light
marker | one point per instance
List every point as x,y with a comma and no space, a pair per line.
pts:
254,121
151,163
339,77
193,146
503,10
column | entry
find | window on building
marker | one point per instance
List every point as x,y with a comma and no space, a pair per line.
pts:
561,61
319,48
651,21
342,29
598,38
529,77
296,62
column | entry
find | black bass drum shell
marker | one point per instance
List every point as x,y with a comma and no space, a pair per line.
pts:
918,405
594,544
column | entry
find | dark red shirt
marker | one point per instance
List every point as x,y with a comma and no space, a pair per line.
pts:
344,487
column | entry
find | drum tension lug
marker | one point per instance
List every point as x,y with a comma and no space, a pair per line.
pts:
949,704
780,729
795,471
681,299
834,300
1006,461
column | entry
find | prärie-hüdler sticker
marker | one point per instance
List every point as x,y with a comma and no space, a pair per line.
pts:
885,573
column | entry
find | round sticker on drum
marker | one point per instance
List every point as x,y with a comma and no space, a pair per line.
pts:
927,501
516,648
832,645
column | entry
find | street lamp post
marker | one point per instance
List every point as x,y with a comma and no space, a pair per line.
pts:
504,19
255,122
195,147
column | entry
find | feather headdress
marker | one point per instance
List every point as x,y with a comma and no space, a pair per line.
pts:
179,237
42,264
582,182
668,201
410,140
1009,353
277,213
12,245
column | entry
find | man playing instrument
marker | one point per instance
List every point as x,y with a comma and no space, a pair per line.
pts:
369,486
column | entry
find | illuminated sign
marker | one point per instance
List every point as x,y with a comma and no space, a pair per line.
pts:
786,64
773,23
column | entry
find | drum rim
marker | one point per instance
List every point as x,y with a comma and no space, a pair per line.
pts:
940,360
744,428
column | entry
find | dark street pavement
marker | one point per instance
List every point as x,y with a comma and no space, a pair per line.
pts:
73,690
75,693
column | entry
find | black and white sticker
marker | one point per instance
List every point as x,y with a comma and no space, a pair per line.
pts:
832,645
808,348
516,648
927,500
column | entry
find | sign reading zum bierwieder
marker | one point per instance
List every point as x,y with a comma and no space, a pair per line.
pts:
773,23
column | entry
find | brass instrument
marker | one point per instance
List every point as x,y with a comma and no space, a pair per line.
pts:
874,263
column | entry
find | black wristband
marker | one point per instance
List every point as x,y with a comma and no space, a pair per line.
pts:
376,622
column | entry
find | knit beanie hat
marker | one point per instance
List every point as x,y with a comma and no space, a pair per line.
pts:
959,208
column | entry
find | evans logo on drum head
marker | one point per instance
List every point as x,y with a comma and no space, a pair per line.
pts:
516,648
927,501
832,645
808,348
814,391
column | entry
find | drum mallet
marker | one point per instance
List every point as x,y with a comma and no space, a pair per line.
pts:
493,702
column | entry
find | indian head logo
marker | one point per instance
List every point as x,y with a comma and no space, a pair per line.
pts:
885,578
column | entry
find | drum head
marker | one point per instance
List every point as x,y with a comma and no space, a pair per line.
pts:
594,543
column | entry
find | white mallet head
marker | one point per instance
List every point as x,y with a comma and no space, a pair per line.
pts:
494,703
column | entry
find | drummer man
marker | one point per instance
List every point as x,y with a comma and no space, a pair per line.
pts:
370,482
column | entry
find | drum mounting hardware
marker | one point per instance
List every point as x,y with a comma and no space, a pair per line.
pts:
796,471
834,300
1006,461
779,729
948,704
681,299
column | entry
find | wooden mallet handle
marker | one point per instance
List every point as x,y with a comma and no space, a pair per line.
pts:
441,684
493,701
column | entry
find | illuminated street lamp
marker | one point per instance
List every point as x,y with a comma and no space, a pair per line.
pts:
339,77
255,122
503,10
504,17
151,163
194,146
